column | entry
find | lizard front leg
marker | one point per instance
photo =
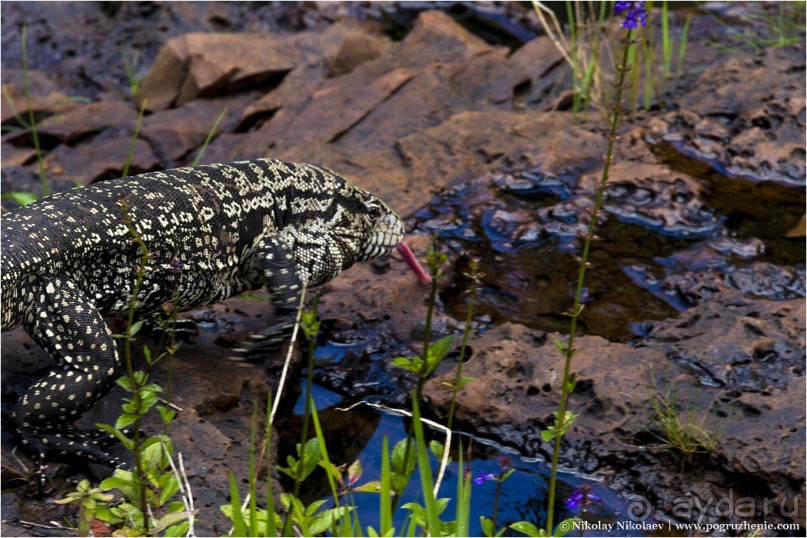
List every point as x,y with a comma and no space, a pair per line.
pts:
285,284
67,325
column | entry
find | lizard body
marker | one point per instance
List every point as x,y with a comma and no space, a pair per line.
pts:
212,232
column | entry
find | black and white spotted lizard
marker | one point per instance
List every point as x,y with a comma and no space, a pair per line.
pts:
212,232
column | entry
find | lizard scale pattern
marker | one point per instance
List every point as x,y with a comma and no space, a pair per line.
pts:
212,232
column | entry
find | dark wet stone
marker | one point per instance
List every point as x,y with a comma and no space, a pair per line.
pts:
654,197
737,343
738,121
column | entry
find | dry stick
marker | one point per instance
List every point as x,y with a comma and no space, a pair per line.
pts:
285,371
395,411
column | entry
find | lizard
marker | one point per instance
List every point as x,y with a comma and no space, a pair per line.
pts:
211,232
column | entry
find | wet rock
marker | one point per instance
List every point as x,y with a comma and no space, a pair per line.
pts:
736,343
199,65
653,196
741,124
517,373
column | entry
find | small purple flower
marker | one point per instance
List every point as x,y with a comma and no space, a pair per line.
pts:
581,497
637,14
176,266
484,477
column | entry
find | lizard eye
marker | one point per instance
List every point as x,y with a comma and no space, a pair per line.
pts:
374,211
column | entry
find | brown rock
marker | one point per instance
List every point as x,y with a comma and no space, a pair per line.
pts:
735,119
175,133
46,99
89,119
332,110
205,64
516,388
98,160
297,87
436,37
737,343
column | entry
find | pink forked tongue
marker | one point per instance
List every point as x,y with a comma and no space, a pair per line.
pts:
413,263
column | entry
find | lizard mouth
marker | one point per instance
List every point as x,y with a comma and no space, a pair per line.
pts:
385,236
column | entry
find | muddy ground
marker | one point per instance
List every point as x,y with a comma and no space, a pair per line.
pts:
458,115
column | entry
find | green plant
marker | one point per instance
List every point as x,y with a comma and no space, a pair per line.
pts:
680,431
147,492
23,198
563,417
762,29
131,62
91,501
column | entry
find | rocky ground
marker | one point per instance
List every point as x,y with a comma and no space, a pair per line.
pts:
460,120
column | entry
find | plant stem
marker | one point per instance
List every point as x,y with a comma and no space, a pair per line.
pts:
569,350
127,353
31,118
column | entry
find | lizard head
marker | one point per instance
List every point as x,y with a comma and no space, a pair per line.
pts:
355,226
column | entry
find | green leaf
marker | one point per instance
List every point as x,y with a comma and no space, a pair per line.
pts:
22,198
237,517
547,435
527,528
135,328
369,487
326,520
487,525
169,520
438,351
410,365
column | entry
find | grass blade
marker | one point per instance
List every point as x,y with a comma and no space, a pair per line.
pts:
424,468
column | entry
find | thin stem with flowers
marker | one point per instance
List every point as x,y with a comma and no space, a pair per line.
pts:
563,418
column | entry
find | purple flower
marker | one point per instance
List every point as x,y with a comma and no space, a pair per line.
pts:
176,266
581,497
637,14
483,477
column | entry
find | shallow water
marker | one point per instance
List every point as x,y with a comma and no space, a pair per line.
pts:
522,496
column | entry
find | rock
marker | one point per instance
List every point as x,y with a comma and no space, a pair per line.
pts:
656,197
736,343
296,87
735,120
205,64
96,160
89,119
357,48
331,110
46,98
436,37
177,132
516,387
